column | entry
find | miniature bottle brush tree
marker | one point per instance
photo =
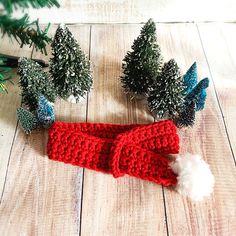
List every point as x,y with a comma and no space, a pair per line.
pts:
169,94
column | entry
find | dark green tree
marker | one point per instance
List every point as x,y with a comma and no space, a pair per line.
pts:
69,66
143,63
166,98
34,82
27,120
187,116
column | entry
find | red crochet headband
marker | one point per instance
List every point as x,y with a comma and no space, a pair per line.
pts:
138,150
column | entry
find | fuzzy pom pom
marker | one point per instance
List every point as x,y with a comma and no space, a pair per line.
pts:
194,176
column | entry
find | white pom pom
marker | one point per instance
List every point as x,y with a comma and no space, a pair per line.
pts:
71,99
194,176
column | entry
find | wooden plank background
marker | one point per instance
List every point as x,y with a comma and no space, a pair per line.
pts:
42,197
137,11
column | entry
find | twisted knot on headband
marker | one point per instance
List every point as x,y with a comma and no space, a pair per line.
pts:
137,150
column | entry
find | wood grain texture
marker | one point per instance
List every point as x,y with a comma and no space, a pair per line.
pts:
125,206
215,215
43,197
137,11
8,104
219,45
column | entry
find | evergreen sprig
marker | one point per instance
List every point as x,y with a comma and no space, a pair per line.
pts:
25,32
143,63
4,78
9,5
5,74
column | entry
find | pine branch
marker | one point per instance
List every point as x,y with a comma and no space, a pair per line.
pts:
5,75
10,4
25,32
3,79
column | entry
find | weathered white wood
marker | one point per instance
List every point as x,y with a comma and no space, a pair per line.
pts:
125,206
8,104
137,11
219,45
43,197
215,215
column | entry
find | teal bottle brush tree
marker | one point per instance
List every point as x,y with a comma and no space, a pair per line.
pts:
194,96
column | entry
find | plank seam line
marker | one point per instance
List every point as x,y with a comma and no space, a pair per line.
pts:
141,22
8,163
81,201
217,97
86,119
165,212
31,55
13,141
164,202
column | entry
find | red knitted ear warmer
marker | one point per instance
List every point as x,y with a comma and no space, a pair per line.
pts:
137,150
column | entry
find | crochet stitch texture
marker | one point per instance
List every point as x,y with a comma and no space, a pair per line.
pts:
137,150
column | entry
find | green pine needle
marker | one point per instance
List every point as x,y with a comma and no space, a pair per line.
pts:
25,32
10,5
5,75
